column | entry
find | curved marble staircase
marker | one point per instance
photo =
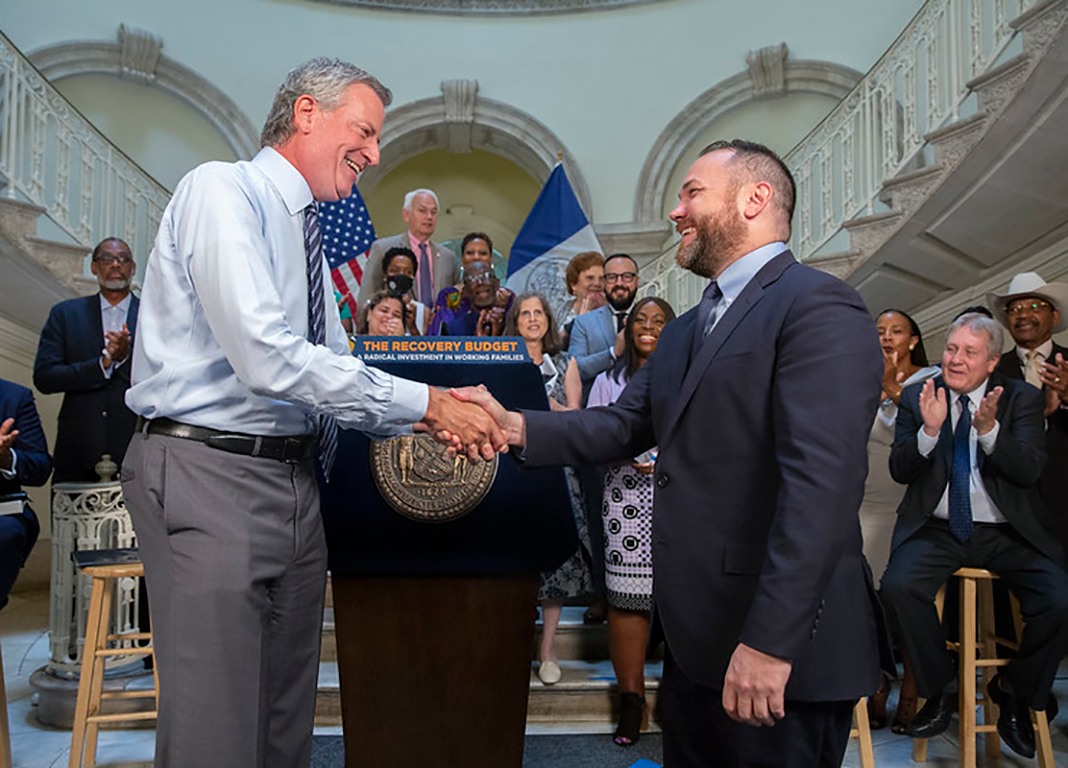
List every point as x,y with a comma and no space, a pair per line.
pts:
979,197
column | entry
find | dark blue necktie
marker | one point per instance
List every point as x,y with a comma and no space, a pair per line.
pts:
706,314
313,246
960,496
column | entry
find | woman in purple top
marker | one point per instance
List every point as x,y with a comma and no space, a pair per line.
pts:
451,304
628,514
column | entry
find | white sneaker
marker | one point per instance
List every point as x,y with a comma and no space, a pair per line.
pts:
549,672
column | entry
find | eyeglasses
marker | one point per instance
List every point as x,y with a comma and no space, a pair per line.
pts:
479,279
1027,306
622,277
123,260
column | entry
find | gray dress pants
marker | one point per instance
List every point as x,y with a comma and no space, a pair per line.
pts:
235,563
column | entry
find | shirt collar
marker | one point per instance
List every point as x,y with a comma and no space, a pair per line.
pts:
734,278
1043,349
123,305
976,395
416,242
290,183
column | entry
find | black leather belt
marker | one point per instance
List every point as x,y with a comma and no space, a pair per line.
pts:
291,450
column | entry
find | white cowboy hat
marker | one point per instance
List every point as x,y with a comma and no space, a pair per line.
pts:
1030,284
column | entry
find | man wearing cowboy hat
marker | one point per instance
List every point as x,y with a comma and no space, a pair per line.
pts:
1031,309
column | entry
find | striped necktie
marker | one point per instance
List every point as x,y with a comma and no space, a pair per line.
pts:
313,246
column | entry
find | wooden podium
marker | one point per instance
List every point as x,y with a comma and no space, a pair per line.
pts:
435,621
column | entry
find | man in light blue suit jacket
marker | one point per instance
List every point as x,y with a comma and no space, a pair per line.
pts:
596,340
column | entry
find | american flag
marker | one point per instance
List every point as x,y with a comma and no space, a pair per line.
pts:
347,237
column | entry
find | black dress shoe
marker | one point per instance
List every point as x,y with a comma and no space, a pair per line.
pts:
1014,720
933,718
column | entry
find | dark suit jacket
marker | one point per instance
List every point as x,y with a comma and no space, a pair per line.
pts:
1010,474
759,477
1053,485
446,267
93,419
32,467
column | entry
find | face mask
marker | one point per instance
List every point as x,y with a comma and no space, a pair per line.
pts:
398,285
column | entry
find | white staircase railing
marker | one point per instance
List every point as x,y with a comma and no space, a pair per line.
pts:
54,158
877,131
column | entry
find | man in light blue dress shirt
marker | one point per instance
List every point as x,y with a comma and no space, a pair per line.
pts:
219,478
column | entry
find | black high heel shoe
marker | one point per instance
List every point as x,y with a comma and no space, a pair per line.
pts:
633,714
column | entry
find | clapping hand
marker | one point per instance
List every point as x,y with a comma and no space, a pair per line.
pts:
7,441
933,407
893,376
1055,376
490,322
116,346
987,413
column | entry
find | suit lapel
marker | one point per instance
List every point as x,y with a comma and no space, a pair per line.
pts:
945,435
94,321
725,328
131,317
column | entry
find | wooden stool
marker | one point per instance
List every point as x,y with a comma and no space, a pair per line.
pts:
977,650
5,731
87,717
862,732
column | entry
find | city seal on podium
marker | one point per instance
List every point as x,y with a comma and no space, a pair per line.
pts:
417,477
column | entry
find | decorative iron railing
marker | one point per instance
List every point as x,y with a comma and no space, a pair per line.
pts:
877,131
51,156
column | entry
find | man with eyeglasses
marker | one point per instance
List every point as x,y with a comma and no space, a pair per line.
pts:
84,353
480,289
1031,310
597,336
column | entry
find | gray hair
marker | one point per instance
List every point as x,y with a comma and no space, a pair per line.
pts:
979,323
408,198
325,80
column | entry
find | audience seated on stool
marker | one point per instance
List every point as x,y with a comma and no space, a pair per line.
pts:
971,446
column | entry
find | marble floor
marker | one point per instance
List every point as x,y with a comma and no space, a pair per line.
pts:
24,639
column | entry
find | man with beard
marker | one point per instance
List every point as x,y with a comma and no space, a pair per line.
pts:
1031,310
84,353
480,290
760,400
597,337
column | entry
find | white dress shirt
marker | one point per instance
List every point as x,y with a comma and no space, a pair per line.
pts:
983,508
112,318
222,330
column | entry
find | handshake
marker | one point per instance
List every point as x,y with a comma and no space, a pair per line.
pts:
470,420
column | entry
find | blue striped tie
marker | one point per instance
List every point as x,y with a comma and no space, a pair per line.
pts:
960,493
313,246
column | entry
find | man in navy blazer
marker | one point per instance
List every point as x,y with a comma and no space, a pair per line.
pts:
764,598
84,353
24,460
970,445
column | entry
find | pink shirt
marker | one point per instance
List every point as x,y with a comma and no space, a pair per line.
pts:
428,300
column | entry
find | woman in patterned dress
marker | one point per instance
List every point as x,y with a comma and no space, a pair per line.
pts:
532,318
628,512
